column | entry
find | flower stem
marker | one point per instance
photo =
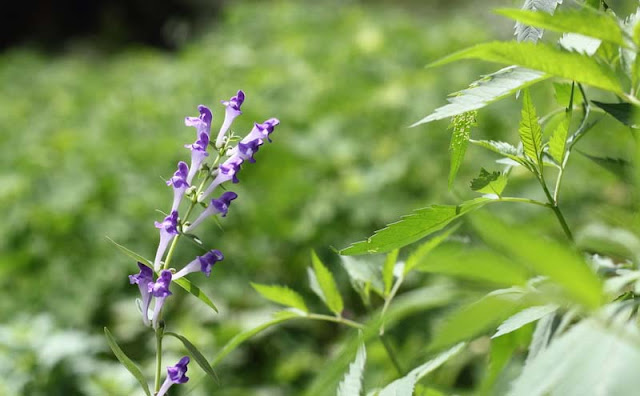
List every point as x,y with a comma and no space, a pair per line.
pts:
158,359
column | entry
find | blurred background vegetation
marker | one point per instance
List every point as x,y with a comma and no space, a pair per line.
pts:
90,127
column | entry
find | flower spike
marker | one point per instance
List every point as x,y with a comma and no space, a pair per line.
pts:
232,111
143,279
228,171
198,154
201,123
160,290
168,230
179,183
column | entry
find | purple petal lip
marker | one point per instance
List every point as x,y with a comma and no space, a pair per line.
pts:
177,373
222,204
169,224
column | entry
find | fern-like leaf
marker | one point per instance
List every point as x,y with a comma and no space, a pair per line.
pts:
530,131
351,384
529,33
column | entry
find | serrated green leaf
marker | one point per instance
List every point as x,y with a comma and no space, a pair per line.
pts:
583,20
487,90
281,295
404,386
545,257
351,384
489,183
545,58
387,270
575,42
195,291
195,354
472,320
505,149
329,291
618,166
418,255
558,141
591,358
531,33
461,125
237,340
523,318
364,271
475,264
126,362
413,227
529,130
626,113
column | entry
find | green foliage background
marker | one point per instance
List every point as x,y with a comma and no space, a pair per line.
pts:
87,139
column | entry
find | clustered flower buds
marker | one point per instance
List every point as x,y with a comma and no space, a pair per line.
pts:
157,291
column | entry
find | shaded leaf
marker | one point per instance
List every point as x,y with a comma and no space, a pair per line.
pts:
543,57
327,285
418,255
489,183
195,354
281,295
126,362
351,384
583,20
487,90
523,318
529,129
364,271
623,112
618,166
541,336
413,227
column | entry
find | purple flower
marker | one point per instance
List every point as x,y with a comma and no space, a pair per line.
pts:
232,111
201,263
262,131
160,290
179,183
227,171
168,230
220,205
202,123
247,150
198,154
175,375
143,279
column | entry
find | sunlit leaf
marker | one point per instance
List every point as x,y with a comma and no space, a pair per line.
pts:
545,58
523,318
413,227
461,125
487,90
126,362
582,20
505,149
329,291
351,384
578,43
281,295
529,130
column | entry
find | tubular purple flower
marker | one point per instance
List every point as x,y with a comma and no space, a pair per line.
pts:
160,290
246,151
220,205
143,279
227,171
201,123
201,263
179,183
261,131
198,154
175,375
231,112
168,230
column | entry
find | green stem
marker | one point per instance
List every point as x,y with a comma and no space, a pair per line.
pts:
158,359
524,200
556,210
392,355
336,319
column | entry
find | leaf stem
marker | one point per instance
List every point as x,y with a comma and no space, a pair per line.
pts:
336,319
524,200
554,206
391,354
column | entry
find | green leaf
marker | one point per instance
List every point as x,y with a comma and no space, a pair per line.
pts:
195,354
472,320
502,350
558,141
351,384
505,149
461,125
404,386
195,291
132,254
489,183
566,94
236,341
487,90
545,58
418,255
328,290
126,362
523,318
387,270
475,264
365,272
591,358
623,112
413,227
531,33
574,42
619,167
281,295
529,130
545,257
583,20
